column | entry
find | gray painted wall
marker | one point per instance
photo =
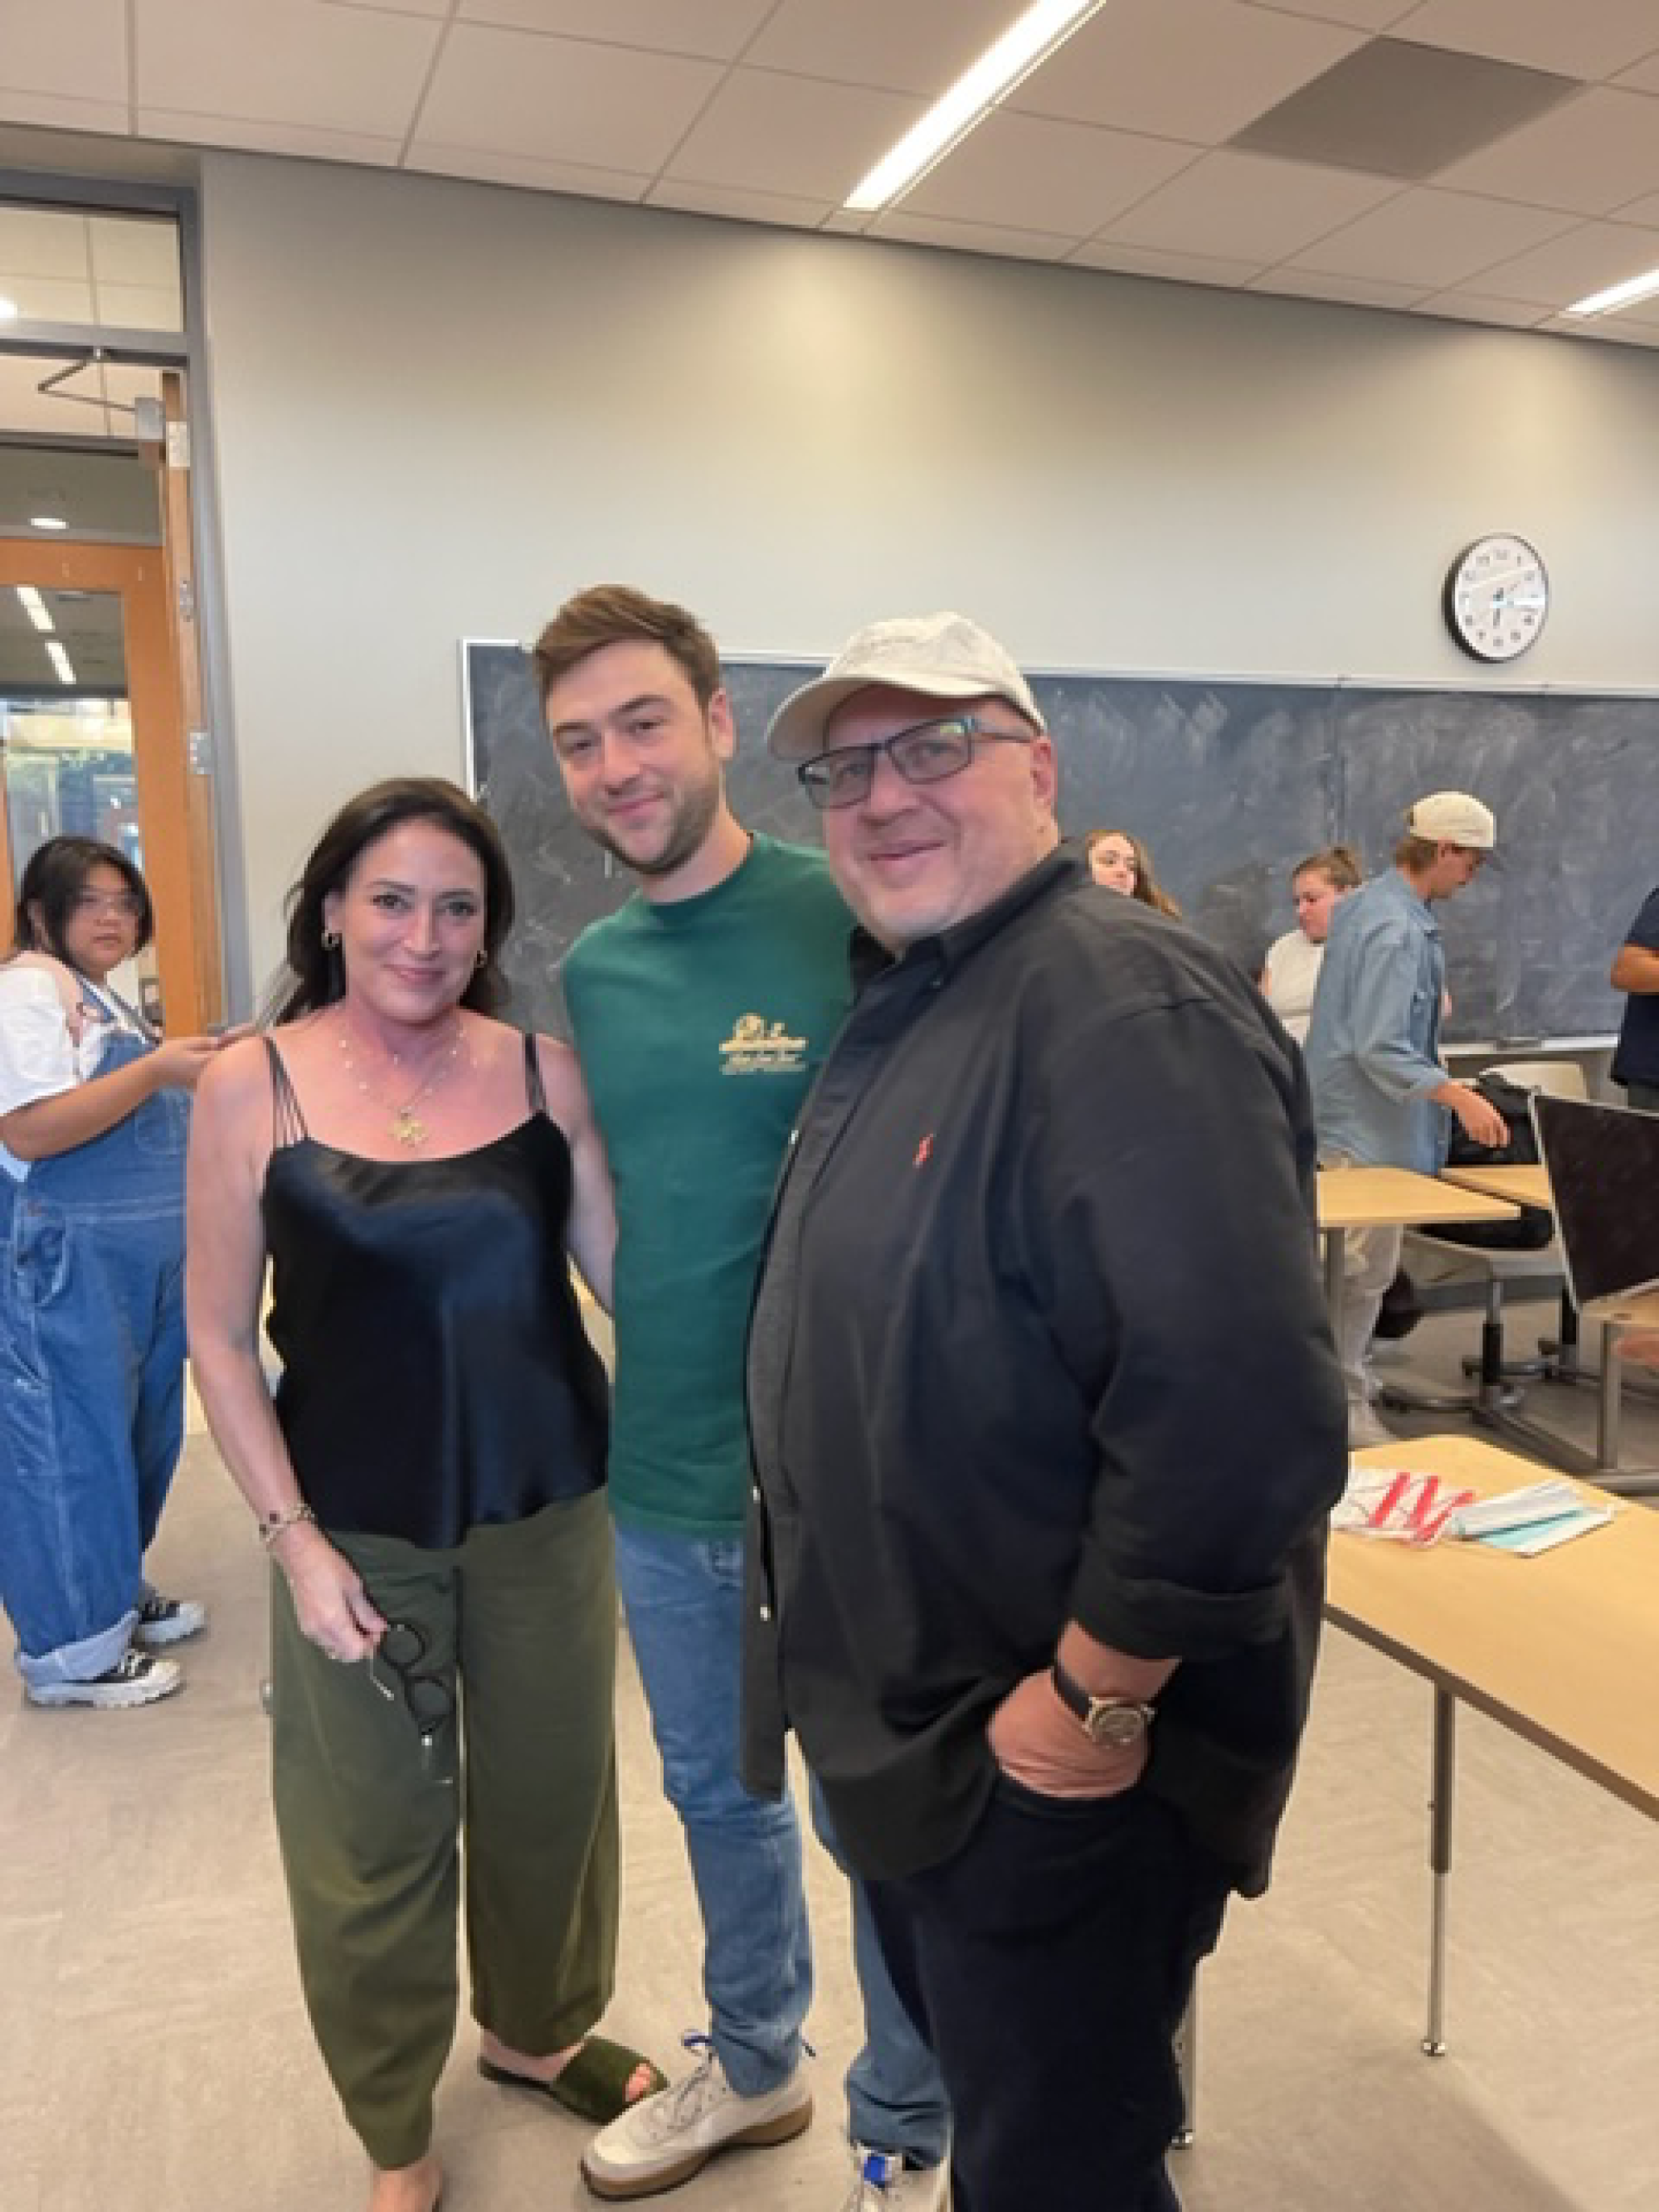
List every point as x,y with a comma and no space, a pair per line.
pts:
440,407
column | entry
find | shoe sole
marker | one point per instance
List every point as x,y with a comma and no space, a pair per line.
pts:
622,2188
106,1701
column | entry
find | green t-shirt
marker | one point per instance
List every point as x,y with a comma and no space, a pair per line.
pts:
700,1024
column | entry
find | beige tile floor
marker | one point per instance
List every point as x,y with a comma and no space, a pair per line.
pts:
153,2057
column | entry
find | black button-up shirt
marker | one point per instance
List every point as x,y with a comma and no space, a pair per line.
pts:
1039,1336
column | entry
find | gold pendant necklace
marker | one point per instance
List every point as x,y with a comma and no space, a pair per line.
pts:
403,1123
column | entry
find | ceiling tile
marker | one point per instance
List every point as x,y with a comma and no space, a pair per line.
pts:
475,166
248,136
51,299
1345,291
1198,69
1362,14
901,228
1569,268
718,30
1464,306
56,111
1249,207
920,47
435,10
42,242
743,207
1582,41
133,251
1644,210
1181,268
138,307
76,47
1038,175
1590,156
1644,77
1433,239
795,135
1613,330
282,61
562,99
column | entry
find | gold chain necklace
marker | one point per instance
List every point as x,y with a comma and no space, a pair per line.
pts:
404,1124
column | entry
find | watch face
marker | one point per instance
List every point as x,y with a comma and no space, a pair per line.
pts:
1116,1726
1497,597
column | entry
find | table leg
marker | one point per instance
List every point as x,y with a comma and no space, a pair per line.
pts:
1440,1853
1336,1253
1610,1410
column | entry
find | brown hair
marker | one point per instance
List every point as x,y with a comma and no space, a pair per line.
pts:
1147,890
316,974
615,614
1414,854
1338,864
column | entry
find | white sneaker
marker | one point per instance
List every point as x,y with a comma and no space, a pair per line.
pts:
167,1620
664,2139
136,1679
882,2182
1366,1426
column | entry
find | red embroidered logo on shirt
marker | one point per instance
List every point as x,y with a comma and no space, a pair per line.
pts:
924,1151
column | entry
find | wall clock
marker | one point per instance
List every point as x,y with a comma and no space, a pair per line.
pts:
1498,594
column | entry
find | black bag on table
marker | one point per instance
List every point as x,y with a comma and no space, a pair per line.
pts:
1535,1227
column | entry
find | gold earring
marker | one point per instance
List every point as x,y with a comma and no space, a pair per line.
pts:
330,940
483,960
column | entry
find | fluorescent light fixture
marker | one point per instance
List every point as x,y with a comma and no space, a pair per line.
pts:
1003,65
35,607
47,522
1617,295
9,310
60,661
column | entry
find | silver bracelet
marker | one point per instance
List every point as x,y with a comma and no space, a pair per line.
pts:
285,1517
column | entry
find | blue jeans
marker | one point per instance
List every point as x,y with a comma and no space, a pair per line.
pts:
895,2100
92,1367
683,1598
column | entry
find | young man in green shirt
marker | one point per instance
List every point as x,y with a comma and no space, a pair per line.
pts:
702,1010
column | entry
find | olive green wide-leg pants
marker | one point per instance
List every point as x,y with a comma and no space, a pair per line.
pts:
521,1623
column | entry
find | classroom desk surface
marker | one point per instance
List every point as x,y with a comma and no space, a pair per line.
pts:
1526,1186
1390,1198
1563,1649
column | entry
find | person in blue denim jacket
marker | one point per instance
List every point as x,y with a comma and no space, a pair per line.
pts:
94,1116
1382,1095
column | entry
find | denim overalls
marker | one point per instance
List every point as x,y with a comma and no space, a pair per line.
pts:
92,1364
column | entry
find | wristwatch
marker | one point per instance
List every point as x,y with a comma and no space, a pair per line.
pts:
1115,1723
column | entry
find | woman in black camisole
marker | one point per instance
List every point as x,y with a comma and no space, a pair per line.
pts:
428,1479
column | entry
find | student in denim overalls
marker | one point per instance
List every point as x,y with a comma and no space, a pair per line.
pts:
94,1120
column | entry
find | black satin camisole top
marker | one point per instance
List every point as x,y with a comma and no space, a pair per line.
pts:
436,1375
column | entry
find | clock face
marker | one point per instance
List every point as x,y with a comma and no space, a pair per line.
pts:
1497,597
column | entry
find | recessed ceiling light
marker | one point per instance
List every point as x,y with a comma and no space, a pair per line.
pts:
9,310
60,661
35,607
1617,295
47,522
1004,64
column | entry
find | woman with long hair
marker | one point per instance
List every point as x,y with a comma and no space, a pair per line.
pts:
94,1115
428,1479
1119,861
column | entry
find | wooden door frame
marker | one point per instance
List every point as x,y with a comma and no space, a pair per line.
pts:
138,575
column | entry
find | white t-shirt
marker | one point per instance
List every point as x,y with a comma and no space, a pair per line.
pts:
38,1058
1293,965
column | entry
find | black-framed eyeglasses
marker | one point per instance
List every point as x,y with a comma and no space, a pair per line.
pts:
430,1700
927,752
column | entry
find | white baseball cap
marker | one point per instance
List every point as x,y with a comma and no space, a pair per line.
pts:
942,656
1453,817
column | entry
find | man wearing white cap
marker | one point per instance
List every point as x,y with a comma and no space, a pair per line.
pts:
1381,1096
1045,1426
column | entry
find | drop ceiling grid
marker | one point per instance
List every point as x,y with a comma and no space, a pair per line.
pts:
1113,154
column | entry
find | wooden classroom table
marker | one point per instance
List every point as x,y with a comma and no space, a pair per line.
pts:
1530,1186
1388,1198
1563,1649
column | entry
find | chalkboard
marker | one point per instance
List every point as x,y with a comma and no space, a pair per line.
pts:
1229,784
